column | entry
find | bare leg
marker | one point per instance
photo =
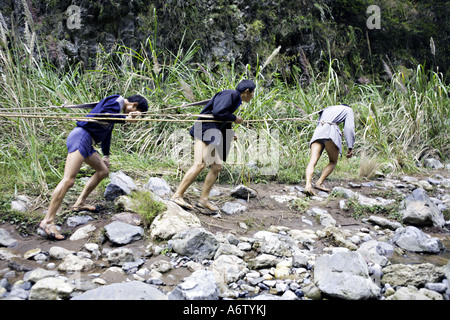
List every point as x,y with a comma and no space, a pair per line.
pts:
316,148
210,155
73,164
191,174
101,172
210,179
333,155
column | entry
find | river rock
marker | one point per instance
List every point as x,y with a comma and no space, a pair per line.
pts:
200,285
59,253
337,236
264,261
51,289
83,232
362,200
344,275
324,218
413,239
38,274
78,220
233,207
385,223
5,238
227,269
275,244
174,220
120,184
229,249
121,233
419,210
243,192
128,217
375,252
416,275
72,263
447,270
196,243
133,290
21,203
433,163
412,293
120,256
159,187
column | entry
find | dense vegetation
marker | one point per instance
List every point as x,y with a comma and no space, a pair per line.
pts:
402,105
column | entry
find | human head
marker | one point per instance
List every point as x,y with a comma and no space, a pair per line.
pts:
246,88
142,104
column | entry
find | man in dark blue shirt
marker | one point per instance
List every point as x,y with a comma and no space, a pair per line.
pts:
80,149
213,141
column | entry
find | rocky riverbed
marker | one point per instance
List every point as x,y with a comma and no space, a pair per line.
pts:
381,239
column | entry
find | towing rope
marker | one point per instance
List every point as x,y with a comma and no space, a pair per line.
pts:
103,119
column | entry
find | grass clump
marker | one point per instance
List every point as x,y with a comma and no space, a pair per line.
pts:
147,206
359,210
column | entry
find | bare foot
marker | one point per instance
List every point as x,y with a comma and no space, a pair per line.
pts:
51,231
321,188
180,201
207,205
309,191
84,207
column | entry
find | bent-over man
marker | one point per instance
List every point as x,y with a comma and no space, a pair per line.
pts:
327,135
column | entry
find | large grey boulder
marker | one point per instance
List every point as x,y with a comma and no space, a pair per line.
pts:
120,184
275,244
51,289
416,275
413,239
243,192
419,210
174,220
159,187
121,233
133,290
196,243
344,275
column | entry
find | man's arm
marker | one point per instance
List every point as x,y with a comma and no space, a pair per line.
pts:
106,145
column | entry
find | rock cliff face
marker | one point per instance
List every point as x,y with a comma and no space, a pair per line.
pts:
309,32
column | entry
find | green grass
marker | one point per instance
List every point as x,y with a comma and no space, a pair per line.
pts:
147,206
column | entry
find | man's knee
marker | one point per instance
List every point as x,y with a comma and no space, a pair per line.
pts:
199,166
68,182
216,167
103,173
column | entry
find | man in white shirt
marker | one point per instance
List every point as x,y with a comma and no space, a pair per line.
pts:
328,136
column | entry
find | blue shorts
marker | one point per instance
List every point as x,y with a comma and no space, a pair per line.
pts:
79,139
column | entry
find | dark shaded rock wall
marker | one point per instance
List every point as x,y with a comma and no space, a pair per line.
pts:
309,32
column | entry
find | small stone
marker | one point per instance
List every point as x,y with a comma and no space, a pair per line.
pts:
31,253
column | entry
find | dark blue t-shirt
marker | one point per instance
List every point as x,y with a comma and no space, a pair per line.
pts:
101,131
221,106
